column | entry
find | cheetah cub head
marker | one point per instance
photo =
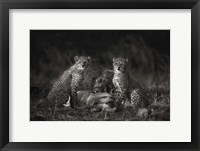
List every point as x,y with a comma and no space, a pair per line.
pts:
99,85
120,65
82,62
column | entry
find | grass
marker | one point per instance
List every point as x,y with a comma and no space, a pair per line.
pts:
158,110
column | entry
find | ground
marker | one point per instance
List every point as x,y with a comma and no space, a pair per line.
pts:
159,110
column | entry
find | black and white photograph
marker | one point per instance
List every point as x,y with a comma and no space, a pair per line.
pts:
100,75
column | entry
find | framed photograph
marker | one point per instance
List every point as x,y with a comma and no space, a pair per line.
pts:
99,75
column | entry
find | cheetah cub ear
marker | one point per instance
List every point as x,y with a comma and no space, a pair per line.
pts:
76,58
126,60
114,59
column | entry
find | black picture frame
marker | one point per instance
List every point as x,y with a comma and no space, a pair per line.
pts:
5,5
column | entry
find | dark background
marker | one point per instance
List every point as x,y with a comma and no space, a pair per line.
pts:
52,51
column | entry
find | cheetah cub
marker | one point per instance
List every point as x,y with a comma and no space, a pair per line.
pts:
68,84
127,90
120,80
104,82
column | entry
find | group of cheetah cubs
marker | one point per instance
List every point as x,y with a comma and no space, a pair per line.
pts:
116,82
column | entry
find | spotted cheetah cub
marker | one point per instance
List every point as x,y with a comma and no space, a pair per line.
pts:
127,90
68,84
120,80
104,82
139,98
